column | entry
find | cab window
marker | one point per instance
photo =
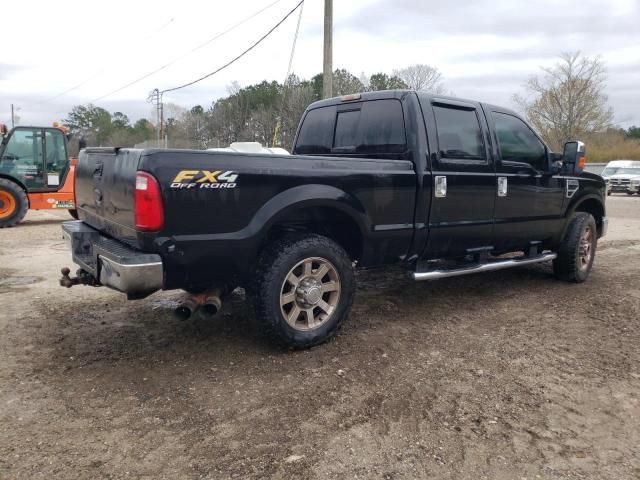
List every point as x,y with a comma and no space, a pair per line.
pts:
316,132
22,157
459,133
517,141
56,153
374,127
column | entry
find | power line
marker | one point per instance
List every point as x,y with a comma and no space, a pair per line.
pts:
293,47
187,53
239,56
286,78
102,70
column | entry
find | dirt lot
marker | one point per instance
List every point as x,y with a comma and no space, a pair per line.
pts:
506,375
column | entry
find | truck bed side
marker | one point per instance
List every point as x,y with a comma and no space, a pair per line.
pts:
214,232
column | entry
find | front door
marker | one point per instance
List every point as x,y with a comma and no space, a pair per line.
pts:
22,157
529,201
464,183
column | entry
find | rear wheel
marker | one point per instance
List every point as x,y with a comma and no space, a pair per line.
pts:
74,213
303,290
13,203
577,250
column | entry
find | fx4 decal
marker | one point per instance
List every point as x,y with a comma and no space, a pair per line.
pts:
205,179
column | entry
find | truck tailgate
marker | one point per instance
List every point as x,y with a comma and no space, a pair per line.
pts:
105,180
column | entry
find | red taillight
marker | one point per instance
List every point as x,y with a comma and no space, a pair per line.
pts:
147,210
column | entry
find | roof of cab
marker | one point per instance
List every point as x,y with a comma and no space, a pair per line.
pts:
399,94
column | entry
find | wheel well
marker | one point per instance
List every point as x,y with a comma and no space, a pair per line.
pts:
16,181
329,222
595,208
20,184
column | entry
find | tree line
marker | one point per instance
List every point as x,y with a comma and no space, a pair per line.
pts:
566,101
267,112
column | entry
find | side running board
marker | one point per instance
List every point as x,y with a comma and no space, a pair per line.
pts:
481,267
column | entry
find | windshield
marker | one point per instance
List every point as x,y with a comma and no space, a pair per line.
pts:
628,171
607,172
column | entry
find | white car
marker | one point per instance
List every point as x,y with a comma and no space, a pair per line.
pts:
634,186
624,180
614,167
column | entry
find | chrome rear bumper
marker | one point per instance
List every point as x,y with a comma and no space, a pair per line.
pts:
112,263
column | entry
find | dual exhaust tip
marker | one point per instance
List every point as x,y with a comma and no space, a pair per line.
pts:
208,303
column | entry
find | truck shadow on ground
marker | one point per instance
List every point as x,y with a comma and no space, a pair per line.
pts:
111,331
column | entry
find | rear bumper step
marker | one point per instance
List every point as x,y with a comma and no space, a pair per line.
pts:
482,267
112,263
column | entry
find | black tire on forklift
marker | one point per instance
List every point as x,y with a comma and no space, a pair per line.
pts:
13,203
74,213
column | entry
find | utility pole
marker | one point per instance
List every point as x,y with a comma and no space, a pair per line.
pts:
155,97
161,133
13,117
327,67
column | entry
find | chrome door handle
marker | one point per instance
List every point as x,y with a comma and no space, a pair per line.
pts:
440,186
502,186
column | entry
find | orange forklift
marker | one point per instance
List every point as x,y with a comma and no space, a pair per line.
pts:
35,172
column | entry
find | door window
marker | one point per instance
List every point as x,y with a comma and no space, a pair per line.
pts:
56,153
459,133
22,157
517,141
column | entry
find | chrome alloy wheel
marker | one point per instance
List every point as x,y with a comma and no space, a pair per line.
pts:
585,249
310,293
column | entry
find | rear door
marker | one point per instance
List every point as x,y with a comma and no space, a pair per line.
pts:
56,158
529,201
464,184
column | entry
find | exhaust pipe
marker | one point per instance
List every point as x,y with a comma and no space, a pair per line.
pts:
212,304
186,308
209,302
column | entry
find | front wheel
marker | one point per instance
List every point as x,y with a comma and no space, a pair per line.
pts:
303,290
577,250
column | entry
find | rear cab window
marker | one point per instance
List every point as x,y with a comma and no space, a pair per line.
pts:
316,133
374,128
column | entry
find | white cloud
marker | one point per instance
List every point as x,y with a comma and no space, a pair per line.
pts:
486,49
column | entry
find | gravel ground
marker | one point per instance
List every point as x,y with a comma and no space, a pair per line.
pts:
504,375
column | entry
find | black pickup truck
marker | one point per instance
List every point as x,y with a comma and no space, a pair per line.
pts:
442,186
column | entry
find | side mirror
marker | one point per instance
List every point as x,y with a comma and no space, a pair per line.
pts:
555,163
574,156
3,129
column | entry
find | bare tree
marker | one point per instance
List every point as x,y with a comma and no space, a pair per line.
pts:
382,81
568,101
421,77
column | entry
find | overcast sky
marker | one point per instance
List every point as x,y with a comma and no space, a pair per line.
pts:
486,49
